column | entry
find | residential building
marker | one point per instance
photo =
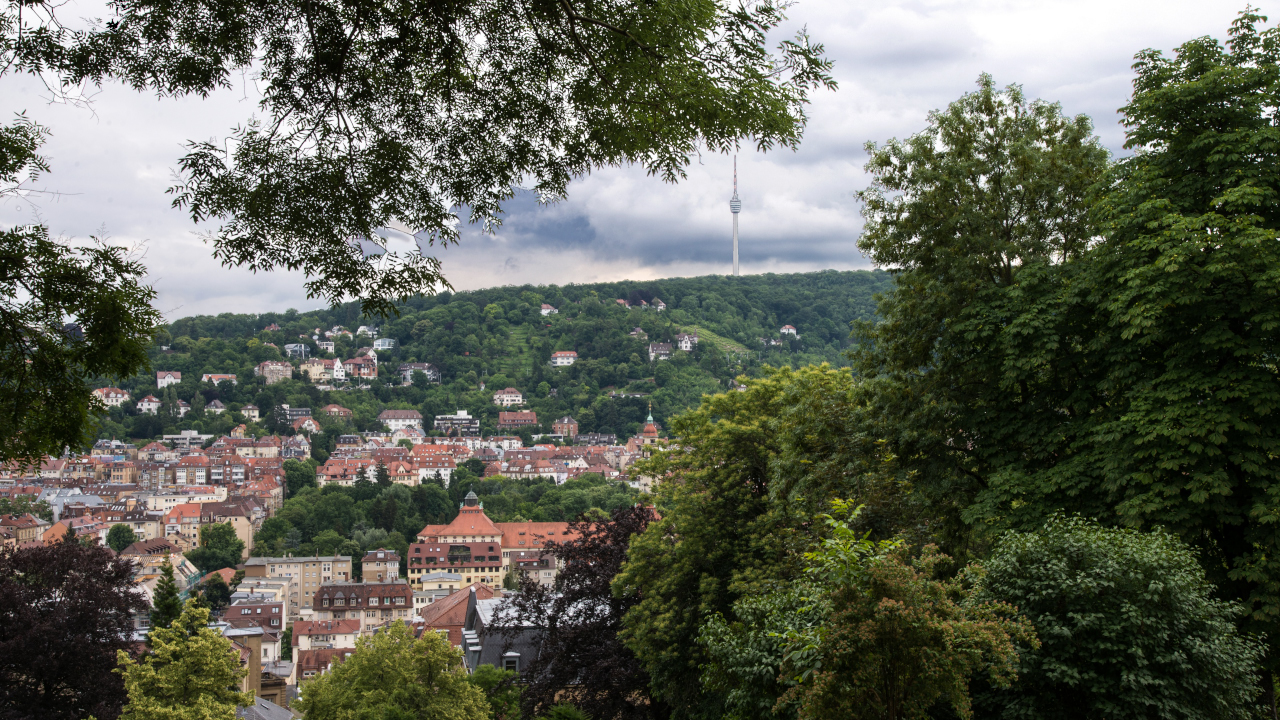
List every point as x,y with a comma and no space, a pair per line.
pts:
149,405
460,424
267,615
326,346
407,370
298,350
565,426
312,634
380,565
308,574
548,310
398,419
519,418
308,664
384,344
361,367
250,412
336,411
508,397
287,413
437,585
216,378
111,397
187,438
686,341
244,515
788,330
274,371
448,615
658,305
505,651
374,604
563,358
165,378
23,528
306,424
215,407
659,351
596,439
538,565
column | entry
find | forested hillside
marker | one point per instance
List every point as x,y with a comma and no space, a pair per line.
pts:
498,338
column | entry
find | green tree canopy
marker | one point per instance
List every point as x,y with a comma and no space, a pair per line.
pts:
188,675
1127,624
120,536
391,674
219,548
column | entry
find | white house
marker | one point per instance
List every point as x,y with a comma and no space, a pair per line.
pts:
325,345
398,419
788,330
165,378
548,310
149,405
370,330
563,358
216,378
508,397
111,397
687,342
384,344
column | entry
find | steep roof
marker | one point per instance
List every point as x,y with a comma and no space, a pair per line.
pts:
452,610
470,521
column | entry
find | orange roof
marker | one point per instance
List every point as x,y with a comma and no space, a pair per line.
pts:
325,627
452,610
226,573
470,521
536,534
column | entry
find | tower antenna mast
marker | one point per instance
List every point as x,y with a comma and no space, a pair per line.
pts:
735,206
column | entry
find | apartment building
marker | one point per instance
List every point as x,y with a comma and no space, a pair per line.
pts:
308,574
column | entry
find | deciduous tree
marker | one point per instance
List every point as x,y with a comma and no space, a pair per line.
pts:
392,674
190,673
220,548
65,610
897,640
577,621
120,536
1128,628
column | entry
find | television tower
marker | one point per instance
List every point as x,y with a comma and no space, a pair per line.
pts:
735,206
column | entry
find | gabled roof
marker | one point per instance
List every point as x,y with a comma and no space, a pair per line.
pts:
452,610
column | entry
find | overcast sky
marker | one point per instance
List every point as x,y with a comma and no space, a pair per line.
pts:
895,61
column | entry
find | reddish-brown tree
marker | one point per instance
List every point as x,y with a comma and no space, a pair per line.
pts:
65,610
576,620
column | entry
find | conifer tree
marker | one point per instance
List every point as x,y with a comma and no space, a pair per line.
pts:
383,475
166,606
190,673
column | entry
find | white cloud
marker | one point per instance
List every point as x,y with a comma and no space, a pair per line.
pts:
895,62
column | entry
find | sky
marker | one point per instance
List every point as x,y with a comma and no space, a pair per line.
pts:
894,62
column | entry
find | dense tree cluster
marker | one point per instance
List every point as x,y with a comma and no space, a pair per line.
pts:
1068,337
367,516
66,609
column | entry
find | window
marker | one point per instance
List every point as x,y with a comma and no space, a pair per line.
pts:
373,601
511,661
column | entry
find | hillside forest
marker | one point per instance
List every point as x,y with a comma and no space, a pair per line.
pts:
486,340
